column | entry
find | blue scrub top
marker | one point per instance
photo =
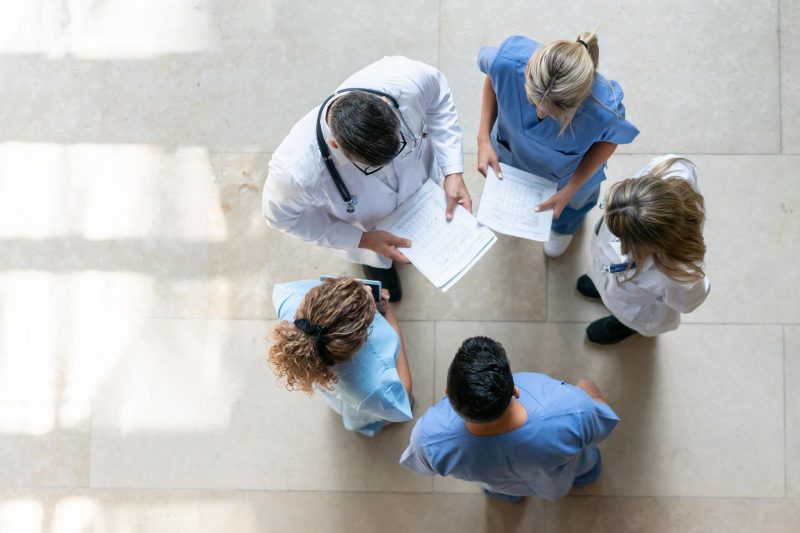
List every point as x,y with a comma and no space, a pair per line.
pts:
542,457
524,141
369,392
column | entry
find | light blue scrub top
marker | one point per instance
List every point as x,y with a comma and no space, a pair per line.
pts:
369,393
541,458
524,141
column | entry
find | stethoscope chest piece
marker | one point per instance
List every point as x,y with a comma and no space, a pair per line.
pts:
351,204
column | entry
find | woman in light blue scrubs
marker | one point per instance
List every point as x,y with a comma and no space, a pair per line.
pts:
546,110
334,338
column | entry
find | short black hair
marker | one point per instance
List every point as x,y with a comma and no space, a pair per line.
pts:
479,383
365,128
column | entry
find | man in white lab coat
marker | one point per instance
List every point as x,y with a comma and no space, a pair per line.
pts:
393,131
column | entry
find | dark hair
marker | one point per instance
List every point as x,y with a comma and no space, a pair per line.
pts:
365,128
479,383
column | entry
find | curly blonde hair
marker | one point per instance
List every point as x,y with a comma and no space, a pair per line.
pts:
345,311
662,217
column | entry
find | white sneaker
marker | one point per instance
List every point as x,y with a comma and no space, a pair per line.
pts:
557,244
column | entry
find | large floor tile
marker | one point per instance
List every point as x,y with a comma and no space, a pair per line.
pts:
99,511
220,74
246,91
683,91
673,515
146,511
193,404
357,512
46,100
48,374
790,76
748,226
792,406
125,226
679,397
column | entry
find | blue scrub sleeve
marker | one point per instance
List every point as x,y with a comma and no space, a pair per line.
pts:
596,420
618,130
389,400
486,56
415,456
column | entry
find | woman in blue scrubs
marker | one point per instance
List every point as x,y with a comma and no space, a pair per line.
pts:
334,338
546,110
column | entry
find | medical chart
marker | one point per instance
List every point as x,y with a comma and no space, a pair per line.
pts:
507,205
443,251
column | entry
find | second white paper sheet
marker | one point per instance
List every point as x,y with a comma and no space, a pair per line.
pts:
507,205
443,251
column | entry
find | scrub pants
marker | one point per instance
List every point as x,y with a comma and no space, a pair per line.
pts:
577,209
592,474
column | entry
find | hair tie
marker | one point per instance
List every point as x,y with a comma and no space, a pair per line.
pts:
584,43
318,332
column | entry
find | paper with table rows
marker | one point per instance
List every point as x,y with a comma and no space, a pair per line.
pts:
507,205
443,251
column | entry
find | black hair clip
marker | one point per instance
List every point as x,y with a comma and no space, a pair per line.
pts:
318,332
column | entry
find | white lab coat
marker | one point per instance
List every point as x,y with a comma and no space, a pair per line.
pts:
652,302
300,197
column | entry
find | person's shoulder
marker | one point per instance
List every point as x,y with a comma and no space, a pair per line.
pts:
547,397
517,48
680,167
297,157
439,423
398,76
534,379
605,98
286,296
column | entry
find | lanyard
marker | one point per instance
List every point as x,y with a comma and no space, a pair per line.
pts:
616,268
349,200
613,268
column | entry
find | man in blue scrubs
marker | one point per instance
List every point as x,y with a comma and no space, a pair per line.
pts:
517,435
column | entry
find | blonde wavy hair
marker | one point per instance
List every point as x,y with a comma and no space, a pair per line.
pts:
559,76
345,311
661,217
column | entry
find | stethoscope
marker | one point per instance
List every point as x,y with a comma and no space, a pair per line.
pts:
613,268
350,200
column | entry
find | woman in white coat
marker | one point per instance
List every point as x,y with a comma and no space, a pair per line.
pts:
648,252
351,161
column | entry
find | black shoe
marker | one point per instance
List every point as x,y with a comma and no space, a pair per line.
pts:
608,330
587,288
388,278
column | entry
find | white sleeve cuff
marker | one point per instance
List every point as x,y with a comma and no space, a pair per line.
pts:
342,235
453,169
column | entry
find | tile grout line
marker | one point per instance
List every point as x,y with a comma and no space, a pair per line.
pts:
780,82
459,320
231,151
681,152
433,381
110,488
547,511
439,41
785,448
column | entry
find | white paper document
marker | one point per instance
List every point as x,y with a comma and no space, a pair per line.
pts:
507,205
443,251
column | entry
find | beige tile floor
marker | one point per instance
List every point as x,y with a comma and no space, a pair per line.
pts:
135,271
